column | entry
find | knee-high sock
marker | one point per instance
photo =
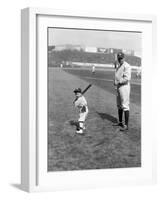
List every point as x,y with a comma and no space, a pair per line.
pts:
126,113
120,113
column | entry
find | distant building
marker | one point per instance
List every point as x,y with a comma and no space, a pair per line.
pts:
102,50
128,52
137,53
59,48
73,47
117,50
114,50
67,47
90,49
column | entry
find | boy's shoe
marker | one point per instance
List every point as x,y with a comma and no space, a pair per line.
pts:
79,131
124,128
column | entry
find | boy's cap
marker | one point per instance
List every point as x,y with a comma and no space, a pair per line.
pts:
77,90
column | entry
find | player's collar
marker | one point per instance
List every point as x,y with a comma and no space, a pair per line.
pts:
121,64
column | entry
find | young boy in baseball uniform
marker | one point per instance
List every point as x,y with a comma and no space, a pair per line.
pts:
122,84
81,103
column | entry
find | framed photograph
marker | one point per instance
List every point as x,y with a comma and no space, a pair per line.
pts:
87,117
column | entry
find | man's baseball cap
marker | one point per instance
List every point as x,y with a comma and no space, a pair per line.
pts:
77,90
120,55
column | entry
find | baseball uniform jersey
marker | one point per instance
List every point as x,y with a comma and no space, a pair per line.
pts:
122,82
81,104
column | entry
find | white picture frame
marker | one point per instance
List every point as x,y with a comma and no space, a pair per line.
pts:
33,177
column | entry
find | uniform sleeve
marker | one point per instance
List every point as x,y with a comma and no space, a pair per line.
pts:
77,102
126,75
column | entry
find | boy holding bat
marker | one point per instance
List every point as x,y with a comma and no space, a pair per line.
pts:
81,103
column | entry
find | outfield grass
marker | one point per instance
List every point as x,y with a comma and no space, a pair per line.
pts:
102,146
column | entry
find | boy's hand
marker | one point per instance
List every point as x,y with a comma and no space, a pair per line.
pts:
75,100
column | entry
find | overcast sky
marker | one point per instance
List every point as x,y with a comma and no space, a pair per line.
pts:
106,39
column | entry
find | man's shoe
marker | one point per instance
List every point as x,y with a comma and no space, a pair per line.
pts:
118,124
124,128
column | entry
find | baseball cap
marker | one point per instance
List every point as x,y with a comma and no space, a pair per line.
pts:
77,90
120,55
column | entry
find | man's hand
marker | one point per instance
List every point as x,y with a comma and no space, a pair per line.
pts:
115,82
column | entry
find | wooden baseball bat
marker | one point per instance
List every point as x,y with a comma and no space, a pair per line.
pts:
85,90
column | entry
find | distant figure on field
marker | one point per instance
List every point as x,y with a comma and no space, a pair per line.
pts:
61,65
138,72
93,69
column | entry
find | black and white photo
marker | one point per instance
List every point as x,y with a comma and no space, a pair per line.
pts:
101,129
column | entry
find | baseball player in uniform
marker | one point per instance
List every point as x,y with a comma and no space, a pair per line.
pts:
122,84
81,103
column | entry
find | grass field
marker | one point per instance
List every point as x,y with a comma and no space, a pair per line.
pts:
103,145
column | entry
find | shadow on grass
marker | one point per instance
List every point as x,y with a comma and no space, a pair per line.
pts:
107,117
74,123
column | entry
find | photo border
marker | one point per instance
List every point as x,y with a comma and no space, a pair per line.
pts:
29,111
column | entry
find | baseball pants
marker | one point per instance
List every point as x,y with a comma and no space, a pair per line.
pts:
83,115
123,97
